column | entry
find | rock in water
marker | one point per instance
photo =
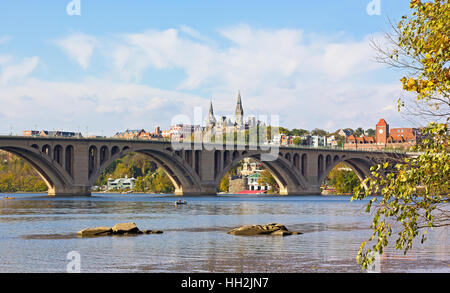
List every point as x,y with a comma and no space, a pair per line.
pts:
98,231
273,229
152,232
125,228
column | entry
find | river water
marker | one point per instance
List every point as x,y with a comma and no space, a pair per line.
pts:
37,232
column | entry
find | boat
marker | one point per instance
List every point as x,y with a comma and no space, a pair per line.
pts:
252,192
7,197
180,202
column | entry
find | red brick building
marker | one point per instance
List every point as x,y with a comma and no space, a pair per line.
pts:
395,138
139,134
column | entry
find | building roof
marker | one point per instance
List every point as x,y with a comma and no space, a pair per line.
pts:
382,122
255,175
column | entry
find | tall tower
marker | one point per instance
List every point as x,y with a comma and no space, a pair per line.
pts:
211,120
382,131
239,113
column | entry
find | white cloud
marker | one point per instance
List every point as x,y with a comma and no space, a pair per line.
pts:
195,34
99,104
79,47
4,59
18,71
254,57
310,81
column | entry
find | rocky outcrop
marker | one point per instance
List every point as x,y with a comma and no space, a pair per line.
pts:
125,228
118,229
97,231
272,229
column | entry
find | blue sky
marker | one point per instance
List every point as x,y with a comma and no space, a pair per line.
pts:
137,64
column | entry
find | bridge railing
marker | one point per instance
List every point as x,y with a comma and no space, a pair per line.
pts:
212,144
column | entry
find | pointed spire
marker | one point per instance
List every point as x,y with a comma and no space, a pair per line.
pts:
211,120
239,113
211,112
239,109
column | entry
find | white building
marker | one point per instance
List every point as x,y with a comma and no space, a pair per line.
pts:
121,183
318,141
252,182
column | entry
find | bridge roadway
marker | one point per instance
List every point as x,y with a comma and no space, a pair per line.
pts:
71,166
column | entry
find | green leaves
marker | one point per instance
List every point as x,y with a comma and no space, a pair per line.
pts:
409,196
425,37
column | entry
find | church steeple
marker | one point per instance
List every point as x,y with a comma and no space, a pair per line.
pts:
239,113
211,120
211,112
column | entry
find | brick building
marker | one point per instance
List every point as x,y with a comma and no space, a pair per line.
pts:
139,134
395,138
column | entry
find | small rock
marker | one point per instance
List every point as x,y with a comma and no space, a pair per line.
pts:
98,231
152,232
125,228
273,229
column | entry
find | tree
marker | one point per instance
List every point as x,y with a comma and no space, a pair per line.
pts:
370,132
266,178
344,181
319,132
225,183
359,131
284,130
414,194
161,183
420,46
297,141
298,132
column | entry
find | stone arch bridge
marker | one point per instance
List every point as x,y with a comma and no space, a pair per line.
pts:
70,167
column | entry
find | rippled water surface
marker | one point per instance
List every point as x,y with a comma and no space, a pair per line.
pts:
37,232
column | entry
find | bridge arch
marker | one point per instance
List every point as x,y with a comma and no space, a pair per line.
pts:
54,175
359,165
179,172
287,177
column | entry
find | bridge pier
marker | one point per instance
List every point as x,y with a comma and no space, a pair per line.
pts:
205,189
311,190
70,191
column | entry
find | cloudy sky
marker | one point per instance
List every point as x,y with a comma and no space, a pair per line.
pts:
137,64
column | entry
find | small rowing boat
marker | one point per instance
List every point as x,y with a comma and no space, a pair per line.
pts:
180,202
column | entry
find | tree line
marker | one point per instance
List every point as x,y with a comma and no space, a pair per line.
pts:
18,176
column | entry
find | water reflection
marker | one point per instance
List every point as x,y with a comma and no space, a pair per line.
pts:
38,232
